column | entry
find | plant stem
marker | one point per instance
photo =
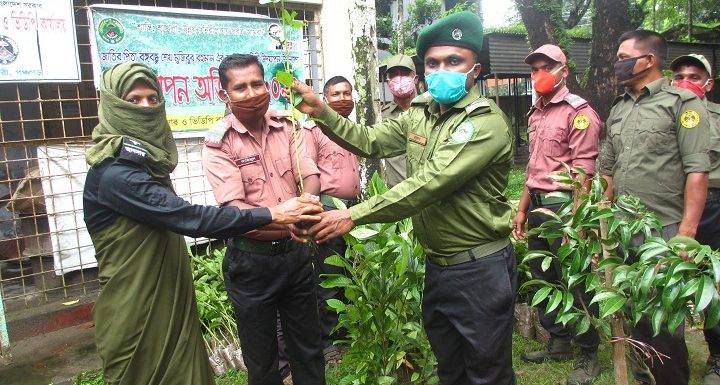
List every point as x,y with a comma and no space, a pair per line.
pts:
616,324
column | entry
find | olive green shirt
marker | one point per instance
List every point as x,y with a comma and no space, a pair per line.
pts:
395,166
458,165
653,141
714,150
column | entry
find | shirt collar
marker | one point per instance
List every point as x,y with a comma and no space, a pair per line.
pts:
557,98
650,89
270,122
472,95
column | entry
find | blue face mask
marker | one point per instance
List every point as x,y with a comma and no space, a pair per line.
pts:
447,87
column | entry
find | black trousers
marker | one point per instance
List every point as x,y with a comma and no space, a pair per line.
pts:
709,234
674,370
468,317
328,317
588,341
261,286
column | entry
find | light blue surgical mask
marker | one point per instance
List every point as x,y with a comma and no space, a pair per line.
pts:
447,87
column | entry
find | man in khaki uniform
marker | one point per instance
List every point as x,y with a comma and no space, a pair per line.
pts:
693,72
656,150
400,74
459,154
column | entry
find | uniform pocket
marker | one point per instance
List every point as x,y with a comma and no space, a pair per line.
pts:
658,138
337,160
552,140
284,169
253,177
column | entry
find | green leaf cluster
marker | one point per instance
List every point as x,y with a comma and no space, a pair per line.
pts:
381,312
667,283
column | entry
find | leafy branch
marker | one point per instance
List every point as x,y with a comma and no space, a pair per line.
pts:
668,282
285,76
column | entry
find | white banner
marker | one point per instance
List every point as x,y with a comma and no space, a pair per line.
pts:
63,170
38,42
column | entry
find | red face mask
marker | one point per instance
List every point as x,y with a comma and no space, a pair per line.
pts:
544,81
250,109
688,85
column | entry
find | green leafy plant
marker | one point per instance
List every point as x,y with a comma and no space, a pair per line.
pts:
666,282
285,76
382,311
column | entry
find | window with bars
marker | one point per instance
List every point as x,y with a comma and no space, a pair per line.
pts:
44,131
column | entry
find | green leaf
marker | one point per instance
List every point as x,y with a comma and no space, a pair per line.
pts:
554,301
712,316
703,296
683,266
646,280
567,301
336,260
657,320
675,320
336,305
583,326
336,281
546,263
386,380
541,294
715,265
611,306
603,296
690,288
284,77
363,233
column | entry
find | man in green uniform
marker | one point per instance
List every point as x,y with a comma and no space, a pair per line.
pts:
400,74
459,154
656,150
693,72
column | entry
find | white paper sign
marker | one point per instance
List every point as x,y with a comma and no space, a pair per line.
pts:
38,42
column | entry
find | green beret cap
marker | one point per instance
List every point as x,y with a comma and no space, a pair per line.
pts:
462,29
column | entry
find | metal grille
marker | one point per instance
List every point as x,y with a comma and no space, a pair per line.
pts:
40,121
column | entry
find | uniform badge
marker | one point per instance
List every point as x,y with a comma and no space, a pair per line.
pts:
457,34
133,150
690,119
463,133
415,138
247,160
581,122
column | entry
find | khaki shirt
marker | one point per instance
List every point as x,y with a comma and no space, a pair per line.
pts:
458,166
653,141
395,166
714,150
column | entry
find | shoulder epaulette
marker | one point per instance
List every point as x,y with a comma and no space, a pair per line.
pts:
215,135
575,101
423,98
617,99
133,150
684,94
482,102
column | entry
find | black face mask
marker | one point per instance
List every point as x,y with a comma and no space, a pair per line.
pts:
624,68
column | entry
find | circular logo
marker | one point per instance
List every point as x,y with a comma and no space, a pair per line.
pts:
690,119
111,30
8,50
457,34
581,122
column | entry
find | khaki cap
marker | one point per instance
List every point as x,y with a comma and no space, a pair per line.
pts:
692,58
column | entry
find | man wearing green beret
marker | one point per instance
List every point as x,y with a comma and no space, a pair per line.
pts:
401,78
459,154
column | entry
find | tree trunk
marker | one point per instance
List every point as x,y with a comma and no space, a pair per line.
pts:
400,27
619,355
611,19
364,52
540,20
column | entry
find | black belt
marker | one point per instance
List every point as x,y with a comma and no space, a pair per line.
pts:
263,247
540,199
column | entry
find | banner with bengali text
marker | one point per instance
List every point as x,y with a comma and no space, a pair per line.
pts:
185,48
